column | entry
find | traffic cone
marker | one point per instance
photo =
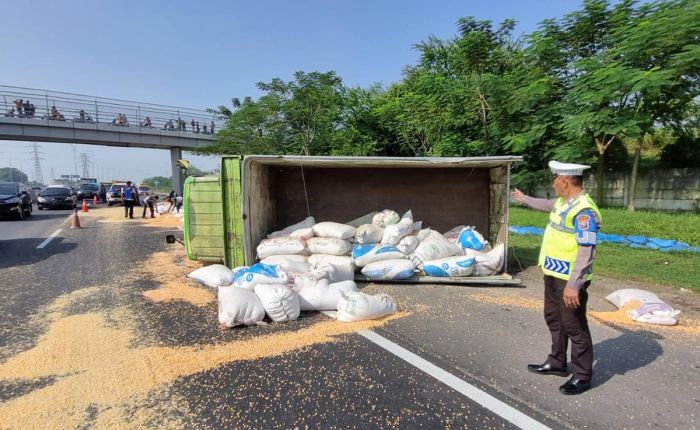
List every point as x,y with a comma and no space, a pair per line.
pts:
75,221
85,207
94,201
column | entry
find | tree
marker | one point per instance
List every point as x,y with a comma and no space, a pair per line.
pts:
159,182
12,174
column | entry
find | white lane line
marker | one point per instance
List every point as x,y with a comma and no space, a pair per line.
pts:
49,239
486,400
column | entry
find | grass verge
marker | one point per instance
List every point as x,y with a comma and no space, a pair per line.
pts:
681,270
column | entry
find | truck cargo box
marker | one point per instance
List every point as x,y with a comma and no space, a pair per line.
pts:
261,194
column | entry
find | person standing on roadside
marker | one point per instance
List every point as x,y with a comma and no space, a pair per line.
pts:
129,198
171,200
566,258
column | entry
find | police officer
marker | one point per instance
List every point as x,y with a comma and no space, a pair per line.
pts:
129,197
566,258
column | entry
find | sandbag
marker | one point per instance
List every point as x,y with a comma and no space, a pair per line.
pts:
408,244
289,263
471,239
385,218
239,306
362,255
389,269
395,232
364,219
449,266
487,263
259,273
281,303
453,233
316,259
285,232
215,275
368,233
334,272
361,306
423,234
324,296
281,246
334,229
302,233
434,246
328,245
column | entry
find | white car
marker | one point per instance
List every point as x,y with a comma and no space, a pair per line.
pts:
114,194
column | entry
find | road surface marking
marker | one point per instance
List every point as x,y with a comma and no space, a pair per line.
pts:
48,239
486,400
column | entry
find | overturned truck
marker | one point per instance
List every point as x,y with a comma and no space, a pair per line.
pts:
227,216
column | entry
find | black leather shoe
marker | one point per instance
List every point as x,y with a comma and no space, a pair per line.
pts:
575,386
546,369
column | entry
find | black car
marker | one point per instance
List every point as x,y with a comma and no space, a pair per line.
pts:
15,200
88,191
57,198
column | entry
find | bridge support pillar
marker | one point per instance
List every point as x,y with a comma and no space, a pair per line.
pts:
178,178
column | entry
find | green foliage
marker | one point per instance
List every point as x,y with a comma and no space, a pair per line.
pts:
12,174
576,89
159,182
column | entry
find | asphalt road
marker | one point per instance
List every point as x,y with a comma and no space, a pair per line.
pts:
643,379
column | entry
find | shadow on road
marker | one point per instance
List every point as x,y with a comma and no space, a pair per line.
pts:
21,252
627,352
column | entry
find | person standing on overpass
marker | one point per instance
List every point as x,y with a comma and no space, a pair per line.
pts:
129,198
566,258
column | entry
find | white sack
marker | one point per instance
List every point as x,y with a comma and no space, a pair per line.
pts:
385,218
328,245
280,302
215,275
363,255
289,263
298,281
334,272
408,244
317,259
360,306
364,219
434,246
302,233
369,233
306,223
453,233
334,229
449,266
281,246
651,308
239,306
423,234
259,274
389,270
395,232
324,296
487,263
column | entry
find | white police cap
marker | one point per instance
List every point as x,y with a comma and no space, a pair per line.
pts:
567,169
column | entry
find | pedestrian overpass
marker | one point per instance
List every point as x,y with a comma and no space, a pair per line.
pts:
53,116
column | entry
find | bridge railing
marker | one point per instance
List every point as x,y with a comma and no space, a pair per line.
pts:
61,106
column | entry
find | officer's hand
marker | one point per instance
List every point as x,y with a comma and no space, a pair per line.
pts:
518,195
571,298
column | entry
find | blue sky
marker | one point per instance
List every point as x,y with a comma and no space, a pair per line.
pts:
202,54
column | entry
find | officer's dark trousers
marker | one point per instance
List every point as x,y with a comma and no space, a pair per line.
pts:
128,208
565,324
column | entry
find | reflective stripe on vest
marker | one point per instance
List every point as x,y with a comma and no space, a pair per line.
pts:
559,246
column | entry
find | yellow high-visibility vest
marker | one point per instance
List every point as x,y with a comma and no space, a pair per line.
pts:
559,246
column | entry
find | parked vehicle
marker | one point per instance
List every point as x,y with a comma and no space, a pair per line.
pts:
88,191
34,192
15,200
114,195
144,190
57,197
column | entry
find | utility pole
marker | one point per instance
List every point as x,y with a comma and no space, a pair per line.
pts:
52,176
85,162
75,164
38,175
